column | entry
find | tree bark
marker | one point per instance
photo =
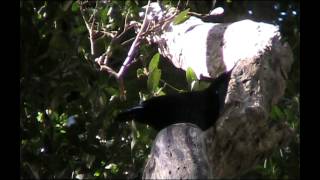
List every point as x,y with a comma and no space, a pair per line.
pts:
243,135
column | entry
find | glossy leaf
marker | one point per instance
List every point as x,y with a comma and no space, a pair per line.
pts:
192,79
154,79
181,17
195,86
191,75
154,62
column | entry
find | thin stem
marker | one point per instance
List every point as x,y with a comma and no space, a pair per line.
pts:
172,87
133,47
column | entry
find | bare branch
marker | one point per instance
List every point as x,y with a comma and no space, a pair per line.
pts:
127,41
84,19
105,33
95,11
159,25
133,47
146,29
122,91
108,69
126,20
91,35
124,31
90,29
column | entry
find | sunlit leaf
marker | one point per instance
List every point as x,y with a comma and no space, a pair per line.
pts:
181,17
133,142
154,79
97,173
154,62
194,86
102,163
191,76
62,131
192,79
40,117
113,167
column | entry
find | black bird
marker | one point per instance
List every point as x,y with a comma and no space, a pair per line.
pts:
201,108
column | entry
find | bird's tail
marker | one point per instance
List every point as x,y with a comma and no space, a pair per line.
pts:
129,114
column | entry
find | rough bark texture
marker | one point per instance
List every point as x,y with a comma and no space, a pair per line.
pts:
178,153
242,136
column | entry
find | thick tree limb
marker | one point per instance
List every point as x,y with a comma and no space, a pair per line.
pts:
243,135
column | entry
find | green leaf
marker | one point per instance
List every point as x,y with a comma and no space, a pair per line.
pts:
203,85
102,163
62,131
75,7
276,113
154,62
191,76
153,79
113,167
104,14
195,86
181,17
97,173
40,117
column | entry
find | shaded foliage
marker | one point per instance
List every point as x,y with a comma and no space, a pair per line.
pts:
67,106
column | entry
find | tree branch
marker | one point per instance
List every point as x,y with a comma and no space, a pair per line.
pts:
134,45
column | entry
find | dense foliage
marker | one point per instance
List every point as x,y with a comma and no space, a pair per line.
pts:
67,105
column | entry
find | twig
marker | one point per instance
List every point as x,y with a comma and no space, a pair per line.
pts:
122,91
133,47
160,24
172,87
105,33
84,19
108,69
95,10
196,14
124,31
146,29
91,38
126,20
127,41
178,4
90,30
